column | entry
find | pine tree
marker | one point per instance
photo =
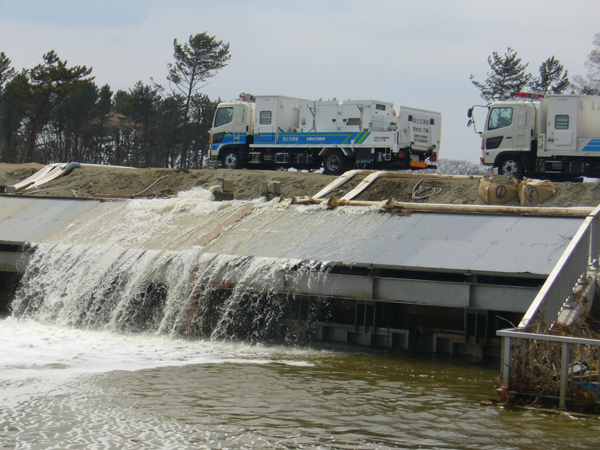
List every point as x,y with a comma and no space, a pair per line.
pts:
10,120
590,84
195,61
507,77
37,92
6,72
553,79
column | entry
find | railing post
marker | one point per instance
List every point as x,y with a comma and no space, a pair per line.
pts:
562,365
564,374
506,359
594,241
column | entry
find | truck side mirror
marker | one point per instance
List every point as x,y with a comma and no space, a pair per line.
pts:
470,115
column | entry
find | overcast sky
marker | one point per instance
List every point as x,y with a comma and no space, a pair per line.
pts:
412,53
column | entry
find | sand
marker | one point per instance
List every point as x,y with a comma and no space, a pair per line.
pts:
115,182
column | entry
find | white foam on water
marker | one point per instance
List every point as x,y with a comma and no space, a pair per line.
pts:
198,193
34,350
141,265
54,391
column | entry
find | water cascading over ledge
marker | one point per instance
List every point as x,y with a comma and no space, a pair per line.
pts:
187,292
141,266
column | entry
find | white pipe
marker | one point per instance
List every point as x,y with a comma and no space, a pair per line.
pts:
342,179
362,185
452,208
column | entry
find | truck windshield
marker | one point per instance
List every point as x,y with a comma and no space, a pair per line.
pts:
223,116
500,117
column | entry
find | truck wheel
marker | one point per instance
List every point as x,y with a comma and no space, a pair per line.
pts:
232,160
512,166
335,163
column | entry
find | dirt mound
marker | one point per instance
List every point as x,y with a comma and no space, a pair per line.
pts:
117,182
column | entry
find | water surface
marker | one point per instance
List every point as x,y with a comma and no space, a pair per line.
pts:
64,388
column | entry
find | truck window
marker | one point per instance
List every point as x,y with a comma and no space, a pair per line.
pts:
561,122
500,118
265,117
223,116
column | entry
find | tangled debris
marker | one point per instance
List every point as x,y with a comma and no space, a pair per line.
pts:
535,368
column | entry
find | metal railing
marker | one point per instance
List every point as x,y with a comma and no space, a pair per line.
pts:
549,365
581,253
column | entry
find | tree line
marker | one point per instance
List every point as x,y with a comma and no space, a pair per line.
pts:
508,75
56,112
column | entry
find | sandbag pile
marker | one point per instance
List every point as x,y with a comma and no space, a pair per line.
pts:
495,192
530,192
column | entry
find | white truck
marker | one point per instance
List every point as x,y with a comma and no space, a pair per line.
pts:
554,136
274,131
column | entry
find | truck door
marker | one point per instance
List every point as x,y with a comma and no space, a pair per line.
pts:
239,126
266,120
561,125
222,126
500,129
524,122
266,127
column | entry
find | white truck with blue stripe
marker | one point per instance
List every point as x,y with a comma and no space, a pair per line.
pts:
553,136
274,131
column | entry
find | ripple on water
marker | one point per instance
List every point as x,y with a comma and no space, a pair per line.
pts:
103,390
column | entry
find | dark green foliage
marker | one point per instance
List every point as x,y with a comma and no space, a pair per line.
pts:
196,61
6,72
72,125
10,118
507,77
11,125
168,124
136,114
55,113
37,92
553,79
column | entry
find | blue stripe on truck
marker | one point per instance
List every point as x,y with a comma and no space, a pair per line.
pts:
230,138
311,138
592,146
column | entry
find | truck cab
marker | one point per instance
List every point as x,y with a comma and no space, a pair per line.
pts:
508,138
554,136
231,130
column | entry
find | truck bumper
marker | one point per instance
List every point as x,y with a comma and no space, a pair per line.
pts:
488,158
214,151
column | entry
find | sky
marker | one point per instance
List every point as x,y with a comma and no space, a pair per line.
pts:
412,53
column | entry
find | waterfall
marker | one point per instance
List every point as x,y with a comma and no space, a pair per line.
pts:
186,266
183,293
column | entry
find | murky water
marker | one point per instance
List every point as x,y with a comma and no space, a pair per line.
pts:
64,388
